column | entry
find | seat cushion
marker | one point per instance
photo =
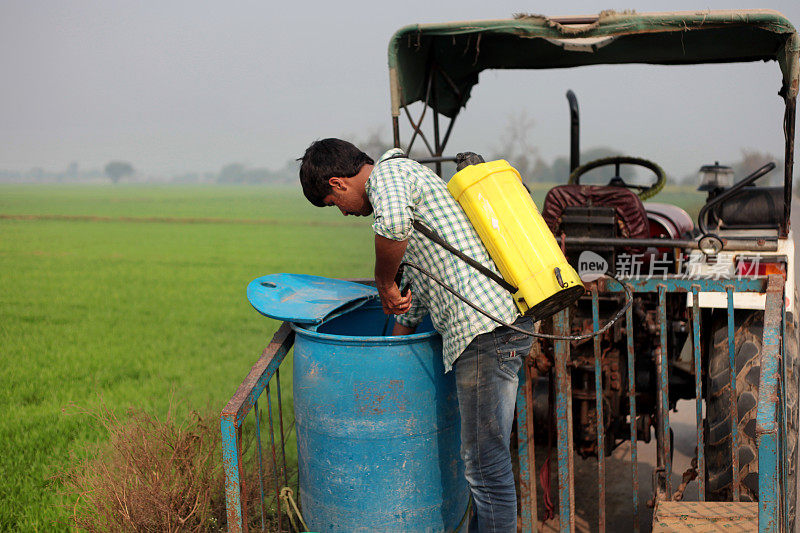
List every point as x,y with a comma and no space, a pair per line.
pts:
626,203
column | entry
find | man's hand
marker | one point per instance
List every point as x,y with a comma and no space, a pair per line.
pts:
393,302
388,254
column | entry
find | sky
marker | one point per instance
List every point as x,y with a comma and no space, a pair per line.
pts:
190,86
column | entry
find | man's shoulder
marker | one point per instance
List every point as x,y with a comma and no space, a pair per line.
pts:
394,154
392,169
392,165
389,164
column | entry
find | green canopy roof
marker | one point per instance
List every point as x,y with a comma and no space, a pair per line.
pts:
459,51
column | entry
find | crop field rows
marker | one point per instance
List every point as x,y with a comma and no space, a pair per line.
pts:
129,295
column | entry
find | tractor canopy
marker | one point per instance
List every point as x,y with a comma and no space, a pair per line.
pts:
460,51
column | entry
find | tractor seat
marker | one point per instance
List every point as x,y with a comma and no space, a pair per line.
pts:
630,213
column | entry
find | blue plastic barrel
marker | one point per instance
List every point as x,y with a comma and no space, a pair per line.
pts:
377,428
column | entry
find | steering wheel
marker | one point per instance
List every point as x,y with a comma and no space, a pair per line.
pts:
644,191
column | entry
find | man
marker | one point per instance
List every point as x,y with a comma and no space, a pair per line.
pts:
485,357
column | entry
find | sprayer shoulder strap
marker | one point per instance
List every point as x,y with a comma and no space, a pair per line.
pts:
433,236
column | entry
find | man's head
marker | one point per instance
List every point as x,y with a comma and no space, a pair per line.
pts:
334,172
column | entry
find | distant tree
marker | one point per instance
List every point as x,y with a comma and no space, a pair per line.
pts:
232,173
558,171
288,174
602,175
72,170
516,148
118,169
751,161
237,173
371,142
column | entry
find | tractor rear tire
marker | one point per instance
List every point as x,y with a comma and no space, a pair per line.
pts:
748,332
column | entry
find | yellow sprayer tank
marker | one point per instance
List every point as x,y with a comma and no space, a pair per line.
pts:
520,243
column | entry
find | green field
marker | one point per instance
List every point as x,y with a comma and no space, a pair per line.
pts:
130,311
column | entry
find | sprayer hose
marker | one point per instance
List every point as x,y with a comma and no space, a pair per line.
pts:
611,322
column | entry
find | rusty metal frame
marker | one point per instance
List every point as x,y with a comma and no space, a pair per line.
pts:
231,421
431,101
698,393
733,395
770,419
632,415
527,459
771,422
789,120
601,426
565,446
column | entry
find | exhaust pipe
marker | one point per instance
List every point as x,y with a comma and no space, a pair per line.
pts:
574,132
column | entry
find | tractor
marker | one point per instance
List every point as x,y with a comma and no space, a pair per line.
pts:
712,320
714,313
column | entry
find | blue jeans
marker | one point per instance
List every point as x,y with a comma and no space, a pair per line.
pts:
486,382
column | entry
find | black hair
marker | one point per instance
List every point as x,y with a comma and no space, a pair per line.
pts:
327,159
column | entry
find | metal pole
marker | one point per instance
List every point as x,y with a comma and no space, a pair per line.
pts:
733,397
525,452
662,362
598,396
417,127
260,461
784,421
274,463
574,132
566,481
234,474
436,145
768,427
730,245
698,391
788,132
396,130
632,415
280,421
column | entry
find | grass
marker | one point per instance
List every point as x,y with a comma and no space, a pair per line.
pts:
129,312
236,202
134,311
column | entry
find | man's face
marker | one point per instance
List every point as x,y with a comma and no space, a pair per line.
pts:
349,197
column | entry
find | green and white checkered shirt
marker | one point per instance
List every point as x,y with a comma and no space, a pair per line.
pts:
402,191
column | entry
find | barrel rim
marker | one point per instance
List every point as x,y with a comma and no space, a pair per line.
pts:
331,338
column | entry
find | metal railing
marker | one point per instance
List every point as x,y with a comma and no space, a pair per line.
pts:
262,378
771,420
771,415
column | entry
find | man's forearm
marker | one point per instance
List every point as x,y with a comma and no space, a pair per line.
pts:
388,255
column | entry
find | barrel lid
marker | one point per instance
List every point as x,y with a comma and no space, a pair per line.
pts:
305,299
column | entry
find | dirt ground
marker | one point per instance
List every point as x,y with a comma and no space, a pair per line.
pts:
619,495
